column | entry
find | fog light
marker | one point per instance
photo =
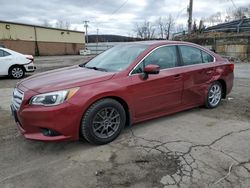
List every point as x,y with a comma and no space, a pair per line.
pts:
49,132
30,67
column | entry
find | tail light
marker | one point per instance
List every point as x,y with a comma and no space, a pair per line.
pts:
231,67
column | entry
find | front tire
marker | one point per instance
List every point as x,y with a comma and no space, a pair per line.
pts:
16,72
103,121
214,95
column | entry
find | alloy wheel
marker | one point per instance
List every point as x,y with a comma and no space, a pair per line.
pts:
106,122
214,95
17,72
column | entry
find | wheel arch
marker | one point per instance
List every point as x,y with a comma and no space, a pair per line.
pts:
122,102
118,99
16,65
126,108
224,88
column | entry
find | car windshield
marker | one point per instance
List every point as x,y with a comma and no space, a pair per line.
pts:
117,58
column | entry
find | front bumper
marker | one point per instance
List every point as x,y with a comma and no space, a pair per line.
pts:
63,119
30,67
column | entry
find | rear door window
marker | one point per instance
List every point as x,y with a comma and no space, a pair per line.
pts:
190,55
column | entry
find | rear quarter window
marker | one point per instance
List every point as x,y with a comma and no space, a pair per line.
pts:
207,58
4,53
1,53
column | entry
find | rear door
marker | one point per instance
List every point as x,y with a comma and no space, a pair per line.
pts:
161,92
198,71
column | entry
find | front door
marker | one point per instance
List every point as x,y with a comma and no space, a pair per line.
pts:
159,92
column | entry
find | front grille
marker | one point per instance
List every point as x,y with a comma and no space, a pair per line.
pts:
17,98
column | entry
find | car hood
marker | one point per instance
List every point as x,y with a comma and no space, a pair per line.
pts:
64,78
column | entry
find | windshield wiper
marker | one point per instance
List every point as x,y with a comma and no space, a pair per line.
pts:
97,68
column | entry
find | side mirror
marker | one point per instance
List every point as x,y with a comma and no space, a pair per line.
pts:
152,69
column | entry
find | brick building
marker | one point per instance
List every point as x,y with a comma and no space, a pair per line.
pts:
38,40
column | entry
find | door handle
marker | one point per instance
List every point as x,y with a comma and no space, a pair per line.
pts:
177,77
209,72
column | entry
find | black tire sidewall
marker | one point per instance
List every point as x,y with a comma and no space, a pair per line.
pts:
86,125
208,105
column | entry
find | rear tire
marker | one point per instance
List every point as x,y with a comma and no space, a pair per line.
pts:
16,72
214,95
103,121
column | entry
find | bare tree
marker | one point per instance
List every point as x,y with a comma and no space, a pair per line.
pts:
46,23
161,28
67,25
165,26
145,30
235,13
59,24
62,24
214,19
139,30
169,26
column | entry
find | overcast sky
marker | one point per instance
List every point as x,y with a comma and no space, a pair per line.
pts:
110,16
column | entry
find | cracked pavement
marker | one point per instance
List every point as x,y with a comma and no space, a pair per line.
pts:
194,148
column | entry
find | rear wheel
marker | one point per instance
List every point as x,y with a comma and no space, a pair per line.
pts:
103,121
17,72
214,95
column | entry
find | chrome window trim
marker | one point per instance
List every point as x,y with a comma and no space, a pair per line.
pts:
202,57
130,73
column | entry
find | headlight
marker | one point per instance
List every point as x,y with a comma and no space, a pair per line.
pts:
53,98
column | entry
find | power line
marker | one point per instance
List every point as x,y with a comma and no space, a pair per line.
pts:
233,4
122,5
179,13
114,12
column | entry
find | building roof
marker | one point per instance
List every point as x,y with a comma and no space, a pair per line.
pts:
30,25
241,25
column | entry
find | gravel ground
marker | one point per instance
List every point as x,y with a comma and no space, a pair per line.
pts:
194,148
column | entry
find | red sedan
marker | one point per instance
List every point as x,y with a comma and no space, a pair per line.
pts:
124,85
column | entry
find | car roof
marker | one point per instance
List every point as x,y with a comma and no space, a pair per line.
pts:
10,51
5,49
155,43
158,42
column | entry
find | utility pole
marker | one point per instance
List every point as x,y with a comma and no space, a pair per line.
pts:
86,30
97,33
190,13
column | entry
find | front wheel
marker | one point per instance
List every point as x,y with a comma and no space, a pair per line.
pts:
214,95
103,121
16,72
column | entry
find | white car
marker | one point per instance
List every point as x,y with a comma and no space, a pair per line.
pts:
15,64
